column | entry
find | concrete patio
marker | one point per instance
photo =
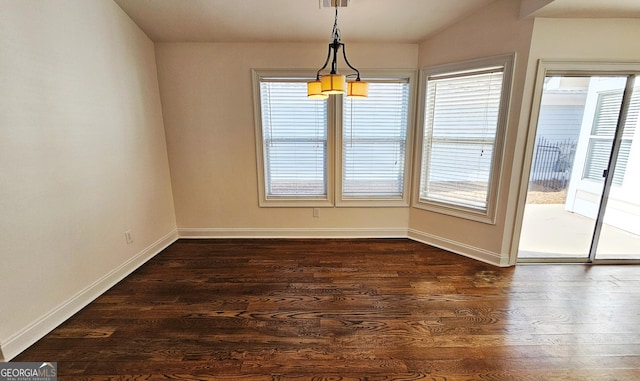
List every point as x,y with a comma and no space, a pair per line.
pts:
549,231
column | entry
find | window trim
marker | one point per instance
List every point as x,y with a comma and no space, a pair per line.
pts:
334,197
487,216
390,75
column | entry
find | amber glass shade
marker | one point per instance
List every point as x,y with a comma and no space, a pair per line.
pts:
333,84
357,89
314,90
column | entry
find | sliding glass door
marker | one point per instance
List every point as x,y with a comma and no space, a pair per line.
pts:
617,235
582,201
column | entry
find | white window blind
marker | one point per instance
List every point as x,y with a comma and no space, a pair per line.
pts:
294,135
459,143
374,141
603,132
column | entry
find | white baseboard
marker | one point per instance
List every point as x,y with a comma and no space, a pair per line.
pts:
26,337
455,247
465,250
292,233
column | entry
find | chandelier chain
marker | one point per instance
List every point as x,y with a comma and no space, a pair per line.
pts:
335,33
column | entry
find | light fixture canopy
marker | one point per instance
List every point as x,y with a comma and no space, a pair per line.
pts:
334,83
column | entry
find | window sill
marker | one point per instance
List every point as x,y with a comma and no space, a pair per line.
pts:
478,215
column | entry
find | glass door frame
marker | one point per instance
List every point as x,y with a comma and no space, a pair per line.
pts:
610,172
573,68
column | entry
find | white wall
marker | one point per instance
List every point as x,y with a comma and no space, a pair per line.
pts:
206,91
494,30
585,40
82,159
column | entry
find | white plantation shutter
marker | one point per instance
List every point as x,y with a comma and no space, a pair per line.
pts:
460,128
294,136
602,134
374,141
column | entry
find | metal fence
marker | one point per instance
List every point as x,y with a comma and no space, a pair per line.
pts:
552,163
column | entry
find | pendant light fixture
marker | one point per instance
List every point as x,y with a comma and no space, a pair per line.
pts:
334,83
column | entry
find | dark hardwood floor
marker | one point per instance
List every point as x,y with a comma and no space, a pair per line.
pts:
374,309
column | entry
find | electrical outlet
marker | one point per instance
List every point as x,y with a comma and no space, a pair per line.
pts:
316,212
128,236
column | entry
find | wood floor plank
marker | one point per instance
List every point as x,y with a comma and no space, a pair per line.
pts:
351,309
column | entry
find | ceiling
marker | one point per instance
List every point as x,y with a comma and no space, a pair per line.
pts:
400,21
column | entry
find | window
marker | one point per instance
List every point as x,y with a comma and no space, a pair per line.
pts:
294,131
292,144
464,113
602,134
296,149
374,144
